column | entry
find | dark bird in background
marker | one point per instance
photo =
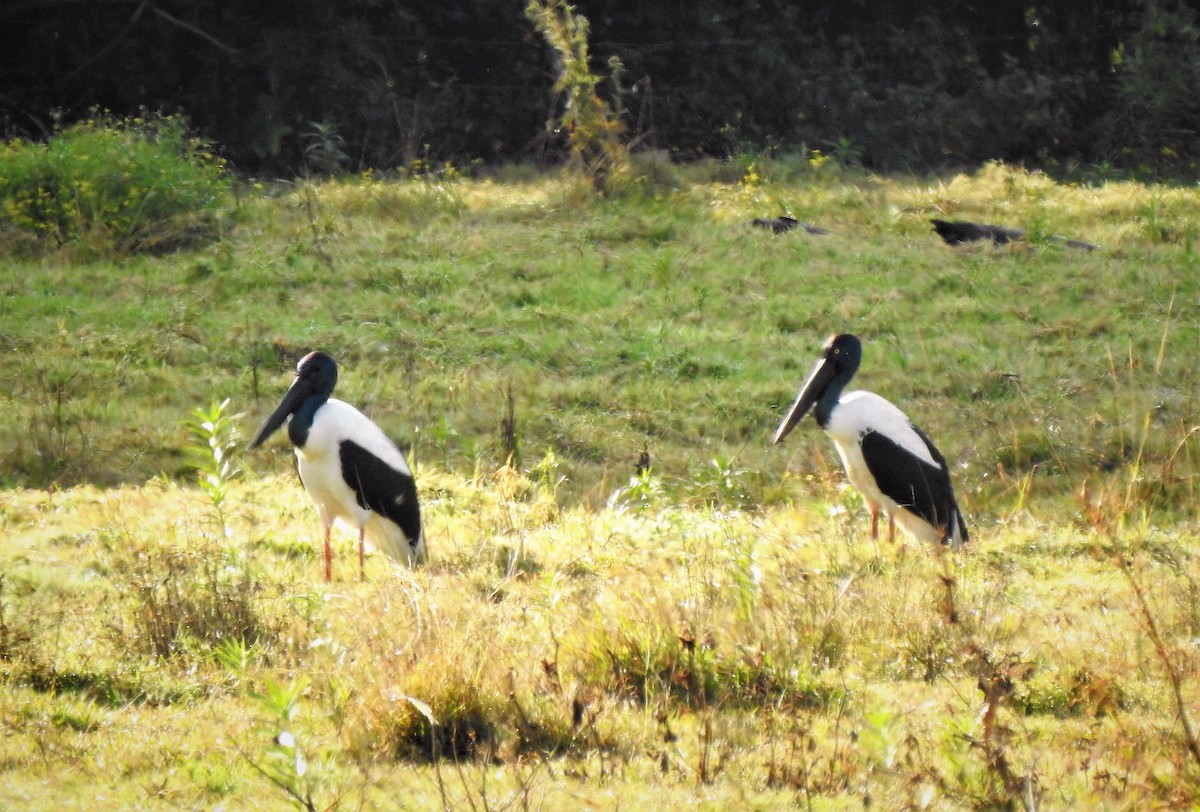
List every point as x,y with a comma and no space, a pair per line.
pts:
643,462
961,232
349,467
786,223
891,462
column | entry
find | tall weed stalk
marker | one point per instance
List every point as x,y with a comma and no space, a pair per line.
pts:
215,437
593,130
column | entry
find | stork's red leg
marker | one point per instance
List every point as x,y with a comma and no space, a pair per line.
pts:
874,523
362,567
328,555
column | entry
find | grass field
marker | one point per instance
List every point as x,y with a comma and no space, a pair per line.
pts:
722,633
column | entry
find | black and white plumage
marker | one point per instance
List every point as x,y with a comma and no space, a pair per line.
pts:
891,462
349,467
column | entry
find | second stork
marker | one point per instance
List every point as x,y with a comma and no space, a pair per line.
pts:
891,462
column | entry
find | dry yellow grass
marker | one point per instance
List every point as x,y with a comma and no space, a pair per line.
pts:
644,657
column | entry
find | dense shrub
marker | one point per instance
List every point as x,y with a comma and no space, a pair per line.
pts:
113,186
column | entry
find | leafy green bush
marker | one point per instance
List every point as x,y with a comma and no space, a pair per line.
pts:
113,187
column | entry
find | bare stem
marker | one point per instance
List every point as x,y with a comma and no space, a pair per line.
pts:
1160,648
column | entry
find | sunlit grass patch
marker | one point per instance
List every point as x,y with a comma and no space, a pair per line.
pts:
774,648
632,598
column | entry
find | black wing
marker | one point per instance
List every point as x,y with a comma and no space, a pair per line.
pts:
911,482
958,232
776,224
380,488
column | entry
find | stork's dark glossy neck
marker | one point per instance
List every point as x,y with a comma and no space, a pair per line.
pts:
316,376
302,419
823,411
843,354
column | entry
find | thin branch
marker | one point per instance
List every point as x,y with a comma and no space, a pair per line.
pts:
137,14
1169,466
16,9
1160,648
186,26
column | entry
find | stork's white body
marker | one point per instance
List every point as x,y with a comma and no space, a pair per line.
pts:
349,467
320,467
859,413
891,462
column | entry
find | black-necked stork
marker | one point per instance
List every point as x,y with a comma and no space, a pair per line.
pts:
890,461
349,467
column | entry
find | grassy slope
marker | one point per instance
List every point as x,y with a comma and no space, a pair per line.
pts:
826,666
661,322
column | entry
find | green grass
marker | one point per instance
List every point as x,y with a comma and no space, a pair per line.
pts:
656,320
721,633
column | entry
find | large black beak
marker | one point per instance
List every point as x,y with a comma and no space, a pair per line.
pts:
296,393
814,386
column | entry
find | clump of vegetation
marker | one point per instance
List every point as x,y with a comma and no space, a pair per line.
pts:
200,593
593,130
113,187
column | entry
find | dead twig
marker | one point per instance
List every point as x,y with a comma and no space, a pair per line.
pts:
1160,648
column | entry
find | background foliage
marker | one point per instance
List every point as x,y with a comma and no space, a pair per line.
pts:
902,85
113,187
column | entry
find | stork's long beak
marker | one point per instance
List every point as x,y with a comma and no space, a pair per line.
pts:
814,386
295,395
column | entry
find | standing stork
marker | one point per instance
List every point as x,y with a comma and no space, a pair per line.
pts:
349,467
891,462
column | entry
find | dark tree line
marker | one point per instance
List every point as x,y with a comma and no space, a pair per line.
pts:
895,85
